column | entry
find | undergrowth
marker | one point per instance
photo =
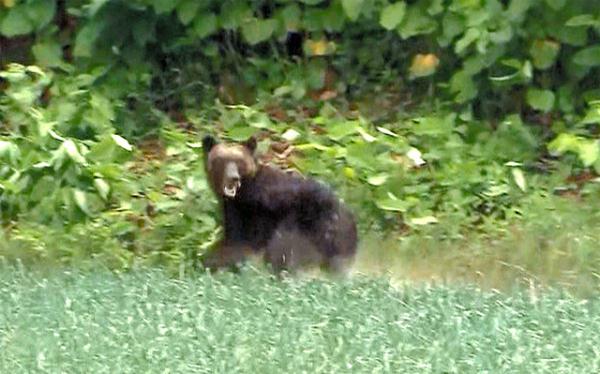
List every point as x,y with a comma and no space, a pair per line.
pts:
441,185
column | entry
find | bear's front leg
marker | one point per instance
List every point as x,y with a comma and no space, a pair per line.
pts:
225,256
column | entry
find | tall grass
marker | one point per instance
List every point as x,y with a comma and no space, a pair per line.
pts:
148,322
555,242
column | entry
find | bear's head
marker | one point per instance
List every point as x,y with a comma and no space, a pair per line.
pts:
228,164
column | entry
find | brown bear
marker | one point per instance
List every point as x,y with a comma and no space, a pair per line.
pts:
294,221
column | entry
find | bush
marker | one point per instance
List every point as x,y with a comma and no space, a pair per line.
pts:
534,52
61,160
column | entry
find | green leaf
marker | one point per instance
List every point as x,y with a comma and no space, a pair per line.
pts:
290,17
453,25
365,135
436,7
592,116
385,131
519,178
361,156
463,86
260,121
122,142
16,23
40,12
187,10
240,133
102,187
588,56
542,100
435,125
80,199
565,99
378,180
392,204
331,18
86,38
235,14
495,190
73,152
502,35
586,149
392,15
422,221
164,6
205,24
95,6
258,30
517,10
352,8
588,152
469,38
341,130
9,151
582,20
575,36
111,171
416,22
48,53
544,53
556,4
101,113
563,143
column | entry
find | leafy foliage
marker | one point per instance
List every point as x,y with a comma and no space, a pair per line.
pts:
484,47
47,156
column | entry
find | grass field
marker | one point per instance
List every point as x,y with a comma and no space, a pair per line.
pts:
144,321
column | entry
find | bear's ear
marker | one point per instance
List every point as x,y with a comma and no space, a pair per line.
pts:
251,144
208,142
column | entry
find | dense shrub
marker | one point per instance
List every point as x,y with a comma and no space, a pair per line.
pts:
540,52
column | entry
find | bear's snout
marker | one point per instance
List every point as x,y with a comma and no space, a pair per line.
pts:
232,180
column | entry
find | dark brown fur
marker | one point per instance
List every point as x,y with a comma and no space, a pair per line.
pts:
295,220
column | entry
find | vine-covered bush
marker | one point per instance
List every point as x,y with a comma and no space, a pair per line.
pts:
543,53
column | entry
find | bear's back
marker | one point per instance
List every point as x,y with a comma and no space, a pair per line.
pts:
274,189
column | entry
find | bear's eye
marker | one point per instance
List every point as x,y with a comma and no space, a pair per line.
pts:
241,167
